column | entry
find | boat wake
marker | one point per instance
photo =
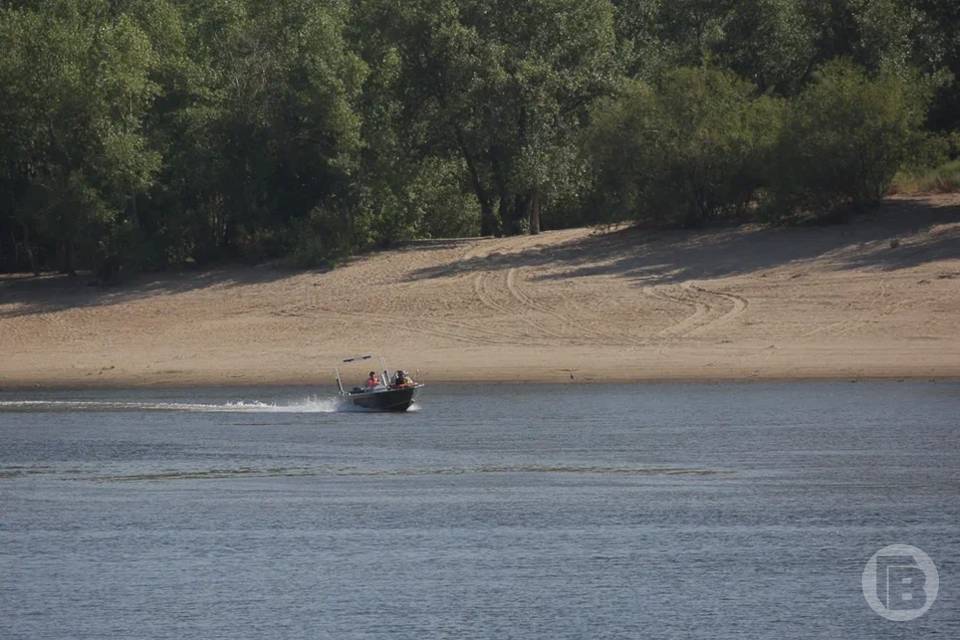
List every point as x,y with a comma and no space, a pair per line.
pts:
307,405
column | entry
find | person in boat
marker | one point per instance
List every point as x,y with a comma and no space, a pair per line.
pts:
373,380
402,379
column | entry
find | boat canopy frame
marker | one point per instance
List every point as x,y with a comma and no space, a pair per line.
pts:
368,356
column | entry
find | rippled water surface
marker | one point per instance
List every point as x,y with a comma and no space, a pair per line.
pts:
609,511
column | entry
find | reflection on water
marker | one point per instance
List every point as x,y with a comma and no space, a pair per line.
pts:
683,510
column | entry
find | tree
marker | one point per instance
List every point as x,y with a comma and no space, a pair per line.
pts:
277,126
772,43
845,137
936,39
684,149
74,85
160,132
500,84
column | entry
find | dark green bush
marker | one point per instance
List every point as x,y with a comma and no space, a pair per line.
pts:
324,236
844,139
689,148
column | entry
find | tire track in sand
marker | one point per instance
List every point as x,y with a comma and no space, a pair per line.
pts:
738,306
482,291
525,300
707,314
577,326
680,328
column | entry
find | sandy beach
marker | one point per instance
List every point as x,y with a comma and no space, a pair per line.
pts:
876,299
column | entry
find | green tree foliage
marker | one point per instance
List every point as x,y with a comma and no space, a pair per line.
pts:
685,149
149,133
74,88
278,131
844,138
503,86
770,42
936,39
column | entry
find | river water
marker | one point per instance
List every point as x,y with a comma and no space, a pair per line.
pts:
532,511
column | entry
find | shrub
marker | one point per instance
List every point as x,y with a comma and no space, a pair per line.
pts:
843,140
688,148
321,238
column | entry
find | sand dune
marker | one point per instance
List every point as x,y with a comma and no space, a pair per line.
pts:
880,298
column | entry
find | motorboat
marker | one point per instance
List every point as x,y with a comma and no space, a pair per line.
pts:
387,395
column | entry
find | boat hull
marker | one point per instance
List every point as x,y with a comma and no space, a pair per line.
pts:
396,400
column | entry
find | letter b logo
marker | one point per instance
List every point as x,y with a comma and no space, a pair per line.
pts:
900,582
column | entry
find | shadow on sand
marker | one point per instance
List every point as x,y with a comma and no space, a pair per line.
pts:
56,292
643,257
899,234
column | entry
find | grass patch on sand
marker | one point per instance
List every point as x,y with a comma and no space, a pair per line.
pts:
942,179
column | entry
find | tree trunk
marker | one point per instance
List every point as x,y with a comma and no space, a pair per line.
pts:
34,267
521,213
506,218
534,219
489,224
488,219
500,179
68,266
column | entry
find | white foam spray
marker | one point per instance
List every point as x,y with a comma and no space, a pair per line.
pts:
307,405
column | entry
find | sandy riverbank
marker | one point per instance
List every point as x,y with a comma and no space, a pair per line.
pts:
732,303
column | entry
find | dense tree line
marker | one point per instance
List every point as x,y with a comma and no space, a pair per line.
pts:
147,133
